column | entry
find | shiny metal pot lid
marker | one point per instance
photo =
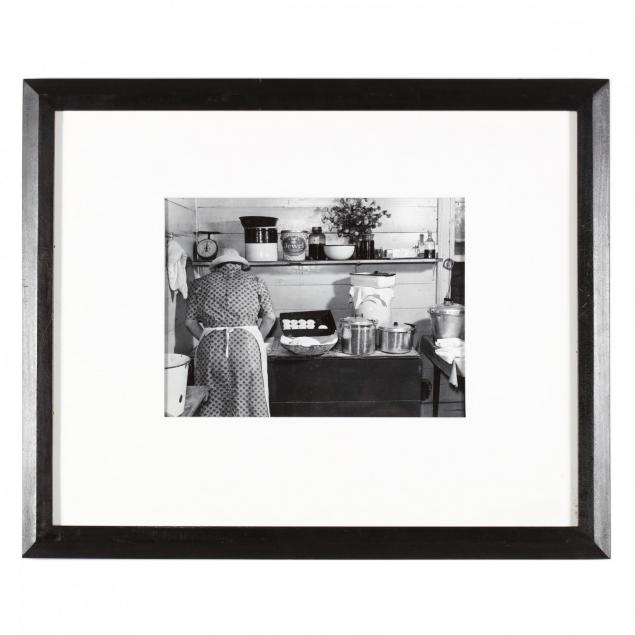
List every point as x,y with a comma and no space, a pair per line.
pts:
447,308
357,321
397,328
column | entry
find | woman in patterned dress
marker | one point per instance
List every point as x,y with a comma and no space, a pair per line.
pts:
222,312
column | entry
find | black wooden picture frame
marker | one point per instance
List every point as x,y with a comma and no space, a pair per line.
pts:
589,98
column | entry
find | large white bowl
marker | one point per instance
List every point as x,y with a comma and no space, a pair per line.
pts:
339,252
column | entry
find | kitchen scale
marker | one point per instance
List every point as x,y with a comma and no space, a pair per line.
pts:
206,248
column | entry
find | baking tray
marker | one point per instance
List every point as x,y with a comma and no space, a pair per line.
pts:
320,317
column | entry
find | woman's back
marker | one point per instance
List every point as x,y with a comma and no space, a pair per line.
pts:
230,357
227,296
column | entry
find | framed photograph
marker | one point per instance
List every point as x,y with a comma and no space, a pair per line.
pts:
248,306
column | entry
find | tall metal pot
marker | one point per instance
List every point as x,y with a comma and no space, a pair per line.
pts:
357,336
448,320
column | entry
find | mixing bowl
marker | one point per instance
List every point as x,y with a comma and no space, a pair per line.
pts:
339,252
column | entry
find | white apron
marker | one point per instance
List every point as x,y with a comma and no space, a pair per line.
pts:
255,331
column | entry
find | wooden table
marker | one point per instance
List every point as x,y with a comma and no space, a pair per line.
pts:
340,385
427,348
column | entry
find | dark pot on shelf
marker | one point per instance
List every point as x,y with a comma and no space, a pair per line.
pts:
261,238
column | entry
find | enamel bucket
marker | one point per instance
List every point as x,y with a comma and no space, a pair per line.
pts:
175,383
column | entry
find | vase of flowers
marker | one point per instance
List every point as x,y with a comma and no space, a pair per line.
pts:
354,218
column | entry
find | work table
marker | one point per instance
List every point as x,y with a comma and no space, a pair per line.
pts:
340,385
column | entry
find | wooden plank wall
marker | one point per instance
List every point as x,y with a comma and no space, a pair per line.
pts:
409,217
295,288
180,219
298,288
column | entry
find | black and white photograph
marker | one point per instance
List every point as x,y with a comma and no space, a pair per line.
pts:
315,307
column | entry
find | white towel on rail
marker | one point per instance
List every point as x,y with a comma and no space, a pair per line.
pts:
176,261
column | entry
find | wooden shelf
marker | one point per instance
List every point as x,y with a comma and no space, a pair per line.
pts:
312,263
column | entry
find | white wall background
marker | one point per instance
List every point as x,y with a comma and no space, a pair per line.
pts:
339,38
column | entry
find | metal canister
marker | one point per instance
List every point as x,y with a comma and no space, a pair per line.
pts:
294,244
357,336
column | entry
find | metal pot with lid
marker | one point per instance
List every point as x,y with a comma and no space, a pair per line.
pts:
448,319
357,336
396,338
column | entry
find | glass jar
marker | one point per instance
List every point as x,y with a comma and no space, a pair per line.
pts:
317,240
366,246
421,245
459,230
429,247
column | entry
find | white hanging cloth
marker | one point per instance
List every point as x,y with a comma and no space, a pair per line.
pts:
176,262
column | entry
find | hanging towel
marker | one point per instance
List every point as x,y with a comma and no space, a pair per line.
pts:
176,261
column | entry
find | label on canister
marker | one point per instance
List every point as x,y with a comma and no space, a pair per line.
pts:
294,246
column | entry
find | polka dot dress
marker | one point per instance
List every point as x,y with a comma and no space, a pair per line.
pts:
229,361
